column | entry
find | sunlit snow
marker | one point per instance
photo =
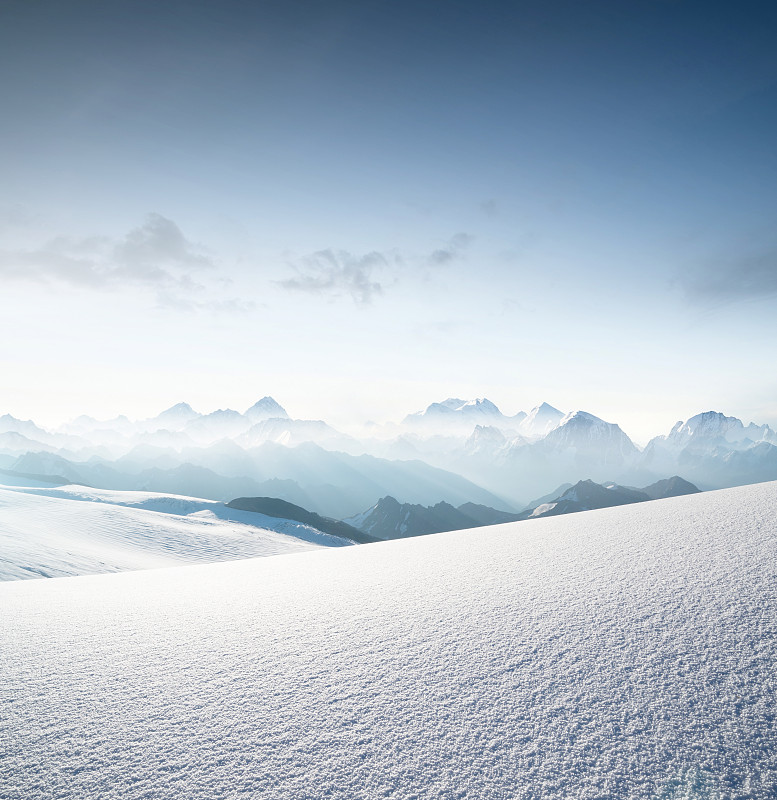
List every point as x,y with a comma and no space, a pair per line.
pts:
74,530
621,653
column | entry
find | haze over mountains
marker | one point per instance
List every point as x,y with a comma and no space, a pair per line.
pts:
57,531
389,519
455,451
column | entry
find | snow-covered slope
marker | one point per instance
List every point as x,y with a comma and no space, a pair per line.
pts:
73,530
626,653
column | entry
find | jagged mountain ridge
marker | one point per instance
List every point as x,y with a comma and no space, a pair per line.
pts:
712,426
715,450
580,446
390,519
456,417
586,496
502,454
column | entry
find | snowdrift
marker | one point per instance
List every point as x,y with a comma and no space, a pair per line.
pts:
621,653
75,530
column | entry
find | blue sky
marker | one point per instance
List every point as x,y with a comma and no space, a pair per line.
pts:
361,208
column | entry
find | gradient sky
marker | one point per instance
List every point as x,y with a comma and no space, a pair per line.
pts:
363,207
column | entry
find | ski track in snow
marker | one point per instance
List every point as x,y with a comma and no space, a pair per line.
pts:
74,530
622,653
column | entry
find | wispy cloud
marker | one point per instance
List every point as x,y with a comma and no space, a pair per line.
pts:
335,273
726,281
452,251
156,255
158,241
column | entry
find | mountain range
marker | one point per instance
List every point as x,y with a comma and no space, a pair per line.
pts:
331,483
389,519
587,496
456,451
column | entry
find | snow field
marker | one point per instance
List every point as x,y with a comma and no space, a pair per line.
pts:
74,530
622,653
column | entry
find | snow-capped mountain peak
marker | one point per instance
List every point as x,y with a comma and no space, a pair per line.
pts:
582,421
589,434
266,408
711,426
10,424
480,406
707,425
452,403
456,417
540,420
487,440
178,410
713,449
174,418
580,416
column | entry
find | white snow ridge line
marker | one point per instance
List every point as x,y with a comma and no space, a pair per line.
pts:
622,653
73,530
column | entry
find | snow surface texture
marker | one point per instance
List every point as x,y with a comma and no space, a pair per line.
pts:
621,653
74,530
